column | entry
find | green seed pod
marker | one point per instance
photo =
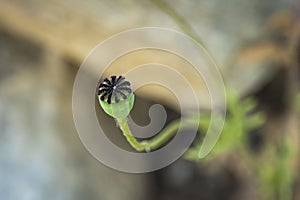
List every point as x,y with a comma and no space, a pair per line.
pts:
116,97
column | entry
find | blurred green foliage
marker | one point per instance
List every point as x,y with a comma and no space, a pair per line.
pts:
273,166
238,122
297,103
276,173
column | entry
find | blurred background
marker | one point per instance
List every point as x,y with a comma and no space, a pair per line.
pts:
42,44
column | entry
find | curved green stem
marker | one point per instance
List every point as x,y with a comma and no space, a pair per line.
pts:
159,140
138,146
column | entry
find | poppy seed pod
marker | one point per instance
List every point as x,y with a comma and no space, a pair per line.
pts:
116,97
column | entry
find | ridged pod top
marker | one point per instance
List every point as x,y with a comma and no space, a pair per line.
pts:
114,89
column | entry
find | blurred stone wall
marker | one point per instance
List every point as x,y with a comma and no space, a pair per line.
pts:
42,44
41,156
